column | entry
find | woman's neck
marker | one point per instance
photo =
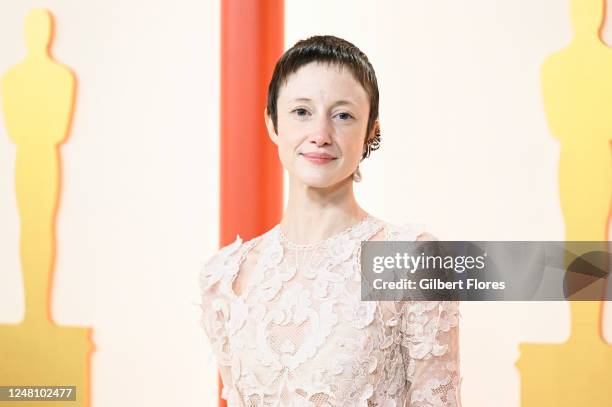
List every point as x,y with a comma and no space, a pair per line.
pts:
314,214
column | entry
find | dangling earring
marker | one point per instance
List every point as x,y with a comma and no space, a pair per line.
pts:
357,175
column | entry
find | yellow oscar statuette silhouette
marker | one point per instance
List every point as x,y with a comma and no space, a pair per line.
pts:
37,99
577,92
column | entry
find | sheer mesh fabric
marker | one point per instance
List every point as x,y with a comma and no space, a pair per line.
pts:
288,328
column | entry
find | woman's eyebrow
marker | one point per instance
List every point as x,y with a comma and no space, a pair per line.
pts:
337,103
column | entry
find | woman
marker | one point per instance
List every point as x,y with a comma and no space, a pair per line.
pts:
282,310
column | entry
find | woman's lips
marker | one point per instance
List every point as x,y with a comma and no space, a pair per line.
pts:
319,158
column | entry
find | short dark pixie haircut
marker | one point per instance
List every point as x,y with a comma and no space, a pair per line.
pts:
331,50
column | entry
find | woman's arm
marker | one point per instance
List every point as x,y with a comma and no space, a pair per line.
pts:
430,349
214,317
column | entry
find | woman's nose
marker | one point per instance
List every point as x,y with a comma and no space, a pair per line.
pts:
322,134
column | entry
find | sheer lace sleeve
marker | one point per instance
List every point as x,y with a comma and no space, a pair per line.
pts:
214,317
430,349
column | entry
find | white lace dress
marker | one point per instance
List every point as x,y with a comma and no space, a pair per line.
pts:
299,335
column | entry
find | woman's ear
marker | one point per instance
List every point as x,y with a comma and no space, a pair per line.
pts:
375,130
370,137
270,126
372,133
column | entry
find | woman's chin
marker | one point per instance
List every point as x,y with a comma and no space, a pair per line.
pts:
320,180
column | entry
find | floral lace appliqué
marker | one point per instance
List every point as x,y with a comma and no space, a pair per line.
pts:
301,336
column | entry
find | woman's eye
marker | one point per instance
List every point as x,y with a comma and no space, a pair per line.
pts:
344,116
300,112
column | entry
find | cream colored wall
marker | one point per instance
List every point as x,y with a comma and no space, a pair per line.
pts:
465,150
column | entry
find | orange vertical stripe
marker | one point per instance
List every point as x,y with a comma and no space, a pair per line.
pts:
251,175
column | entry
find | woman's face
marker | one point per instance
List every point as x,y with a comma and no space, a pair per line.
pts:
321,109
